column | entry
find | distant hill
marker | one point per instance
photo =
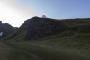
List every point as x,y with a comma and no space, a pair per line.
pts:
37,27
7,29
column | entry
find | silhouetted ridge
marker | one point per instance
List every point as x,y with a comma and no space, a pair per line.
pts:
37,27
6,29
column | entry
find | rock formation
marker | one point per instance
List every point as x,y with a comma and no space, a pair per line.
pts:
41,27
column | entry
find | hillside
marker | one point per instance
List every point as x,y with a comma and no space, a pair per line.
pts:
51,39
54,47
7,29
37,27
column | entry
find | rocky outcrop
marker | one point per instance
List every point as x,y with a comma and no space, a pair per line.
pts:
37,27
41,27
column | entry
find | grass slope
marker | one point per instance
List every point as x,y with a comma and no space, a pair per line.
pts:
4,51
68,45
56,47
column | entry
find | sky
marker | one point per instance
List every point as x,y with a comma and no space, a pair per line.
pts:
15,12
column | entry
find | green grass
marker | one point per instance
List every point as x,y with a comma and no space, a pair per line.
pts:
4,51
45,53
69,45
56,47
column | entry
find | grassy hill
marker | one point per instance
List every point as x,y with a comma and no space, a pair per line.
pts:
72,43
54,47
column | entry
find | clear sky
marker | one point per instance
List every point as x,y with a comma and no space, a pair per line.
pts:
16,12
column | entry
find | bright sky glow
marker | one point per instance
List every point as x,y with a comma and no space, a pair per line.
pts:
10,15
15,12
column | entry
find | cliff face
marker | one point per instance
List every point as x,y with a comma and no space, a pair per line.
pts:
41,27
